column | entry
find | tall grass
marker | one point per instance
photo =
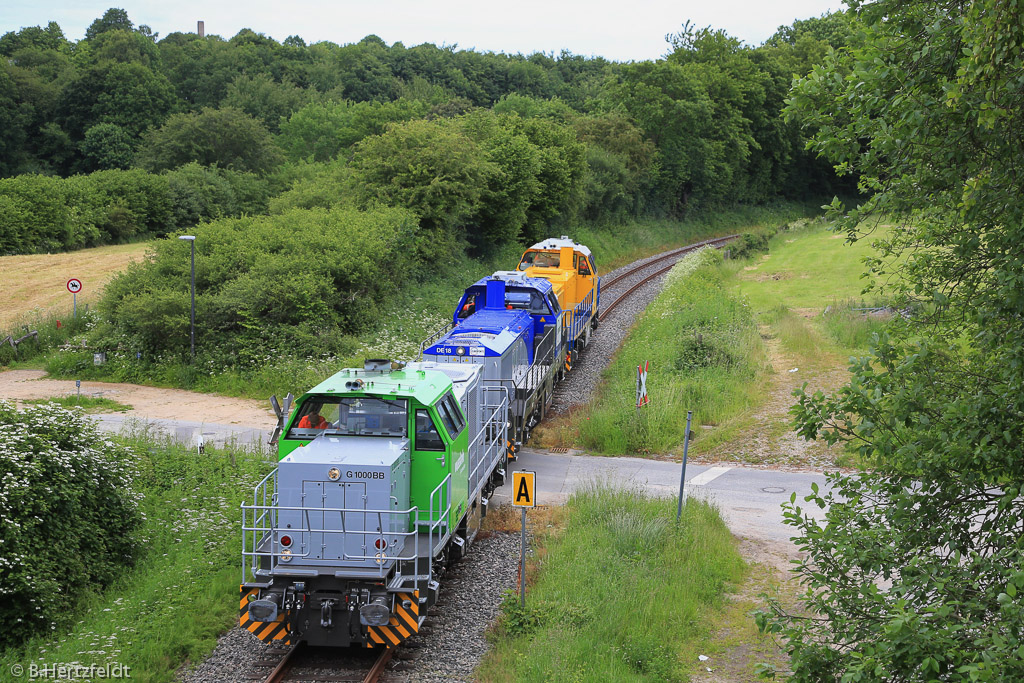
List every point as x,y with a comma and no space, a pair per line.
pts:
851,324
54,330
171,607
623,593
703,351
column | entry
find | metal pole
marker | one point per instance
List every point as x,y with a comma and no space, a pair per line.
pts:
682,477
522,564
74,304
192,327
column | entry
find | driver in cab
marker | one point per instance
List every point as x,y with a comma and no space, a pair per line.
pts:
313,420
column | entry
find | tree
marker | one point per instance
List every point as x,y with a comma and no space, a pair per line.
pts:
227,137
918,573
265,99
49,38
322,130
113,19
429,167
106,145
128,94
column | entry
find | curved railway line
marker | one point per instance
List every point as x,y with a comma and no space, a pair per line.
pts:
301,663
717,242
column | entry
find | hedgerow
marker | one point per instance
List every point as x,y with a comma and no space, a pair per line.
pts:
68,514
41,214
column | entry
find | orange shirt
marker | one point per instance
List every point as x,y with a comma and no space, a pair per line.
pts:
313,421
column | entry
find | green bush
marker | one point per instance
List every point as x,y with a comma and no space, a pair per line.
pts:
45,214
39,214
123,204
748,244
264,285
68,515
202,193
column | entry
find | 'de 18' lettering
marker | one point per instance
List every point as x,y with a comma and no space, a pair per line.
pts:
364,475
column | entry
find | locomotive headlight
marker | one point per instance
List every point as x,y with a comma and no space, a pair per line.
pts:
286,555
334,474
460,351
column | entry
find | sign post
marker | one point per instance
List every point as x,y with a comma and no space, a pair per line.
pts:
524,487
682,476
74,286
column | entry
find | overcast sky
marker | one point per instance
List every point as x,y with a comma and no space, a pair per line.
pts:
621,30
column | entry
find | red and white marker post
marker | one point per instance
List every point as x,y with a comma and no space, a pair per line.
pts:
642,398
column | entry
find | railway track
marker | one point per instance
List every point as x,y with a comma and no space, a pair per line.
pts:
291,668
717,242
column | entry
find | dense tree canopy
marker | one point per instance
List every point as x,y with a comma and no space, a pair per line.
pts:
918,574
226,137
538,141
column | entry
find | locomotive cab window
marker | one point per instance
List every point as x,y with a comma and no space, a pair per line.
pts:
450,415
538,259
553,302
350,416
583,266
468,307
427,437
526,300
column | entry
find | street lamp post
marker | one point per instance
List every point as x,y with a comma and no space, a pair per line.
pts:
192,319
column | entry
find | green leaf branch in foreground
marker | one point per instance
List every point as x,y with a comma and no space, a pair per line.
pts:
914,572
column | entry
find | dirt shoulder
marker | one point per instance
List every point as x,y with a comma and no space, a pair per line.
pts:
149,403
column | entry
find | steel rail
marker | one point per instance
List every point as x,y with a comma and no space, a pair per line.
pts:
284,666
718,242
283,669
712,242
378,667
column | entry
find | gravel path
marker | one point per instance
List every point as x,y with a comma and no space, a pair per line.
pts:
579,385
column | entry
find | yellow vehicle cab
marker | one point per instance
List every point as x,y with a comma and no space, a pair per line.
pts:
571,270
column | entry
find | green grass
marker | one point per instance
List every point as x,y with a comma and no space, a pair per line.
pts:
704,353
89,404
622,593
183,593
807,267
807,288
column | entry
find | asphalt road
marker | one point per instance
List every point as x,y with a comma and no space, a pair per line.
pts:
748,499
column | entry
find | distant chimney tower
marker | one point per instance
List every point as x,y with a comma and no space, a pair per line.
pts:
201,30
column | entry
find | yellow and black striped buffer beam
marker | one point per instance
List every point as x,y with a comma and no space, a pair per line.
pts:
267,631
405,621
